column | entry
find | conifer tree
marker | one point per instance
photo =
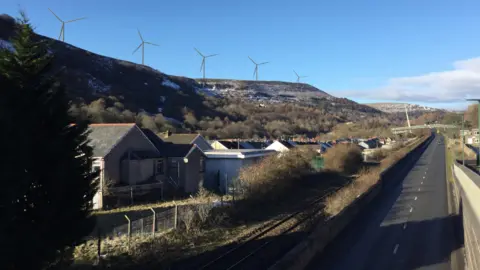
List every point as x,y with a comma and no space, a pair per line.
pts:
46,181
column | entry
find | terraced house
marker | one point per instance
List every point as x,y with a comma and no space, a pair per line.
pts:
126,159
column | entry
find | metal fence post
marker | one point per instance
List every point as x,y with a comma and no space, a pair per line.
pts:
154,221
175,218
99,247
129,233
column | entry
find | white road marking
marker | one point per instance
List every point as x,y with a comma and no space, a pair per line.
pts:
418,189
411,209
415,198
424,177
404,226
395,249
421,183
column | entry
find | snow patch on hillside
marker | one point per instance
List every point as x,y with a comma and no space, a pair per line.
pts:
6,45
168,83
97,85
105,62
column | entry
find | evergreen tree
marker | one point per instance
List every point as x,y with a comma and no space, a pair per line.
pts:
47,184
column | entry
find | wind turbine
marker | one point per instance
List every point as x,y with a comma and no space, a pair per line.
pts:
202,66
255,72
143,46
298,76
62,30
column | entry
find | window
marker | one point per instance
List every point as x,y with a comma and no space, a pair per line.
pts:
159,167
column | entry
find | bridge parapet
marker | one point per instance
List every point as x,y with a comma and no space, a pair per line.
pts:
466,190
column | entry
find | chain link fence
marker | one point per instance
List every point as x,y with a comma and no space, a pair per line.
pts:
157,222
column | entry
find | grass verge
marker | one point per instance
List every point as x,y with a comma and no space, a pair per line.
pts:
365,180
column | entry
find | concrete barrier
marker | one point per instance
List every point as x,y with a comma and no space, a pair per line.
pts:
467,197
324,233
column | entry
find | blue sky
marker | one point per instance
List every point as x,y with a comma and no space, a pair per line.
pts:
367,50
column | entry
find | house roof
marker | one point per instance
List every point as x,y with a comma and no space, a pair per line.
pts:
233,145
370,143
103,137
154,138
258,145
286,144
181,138
238,153
177,150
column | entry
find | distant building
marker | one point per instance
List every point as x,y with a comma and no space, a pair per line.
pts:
281,146
369,144
222,166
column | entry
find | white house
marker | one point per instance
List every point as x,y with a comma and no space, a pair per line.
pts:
223,166
281,146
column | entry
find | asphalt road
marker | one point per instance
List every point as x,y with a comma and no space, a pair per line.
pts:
407,227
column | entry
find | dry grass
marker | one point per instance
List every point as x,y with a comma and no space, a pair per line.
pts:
344,158
159,251
142,207
345,196
456,147
271,178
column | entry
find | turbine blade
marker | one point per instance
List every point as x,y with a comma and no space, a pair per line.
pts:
198,52
252,60
151,43
83,18
295,73
254,71
263,63
140,34
55,15
212,55
138,47
202,66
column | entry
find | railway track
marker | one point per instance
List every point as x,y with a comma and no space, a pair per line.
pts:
264,248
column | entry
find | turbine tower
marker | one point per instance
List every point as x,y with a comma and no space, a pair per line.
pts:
408,120
298,76
202,66
143,47
62,30
255,72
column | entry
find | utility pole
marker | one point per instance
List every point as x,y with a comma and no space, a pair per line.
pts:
478,126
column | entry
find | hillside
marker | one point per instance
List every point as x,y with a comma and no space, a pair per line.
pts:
400,107
117,90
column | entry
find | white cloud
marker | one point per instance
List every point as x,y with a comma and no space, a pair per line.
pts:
435,87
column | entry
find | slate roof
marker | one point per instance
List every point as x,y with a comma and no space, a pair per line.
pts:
287,144
233,145
259,145
154,138
177,150
180,138
103,137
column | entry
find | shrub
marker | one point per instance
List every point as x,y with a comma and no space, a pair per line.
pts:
344,158
273,176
